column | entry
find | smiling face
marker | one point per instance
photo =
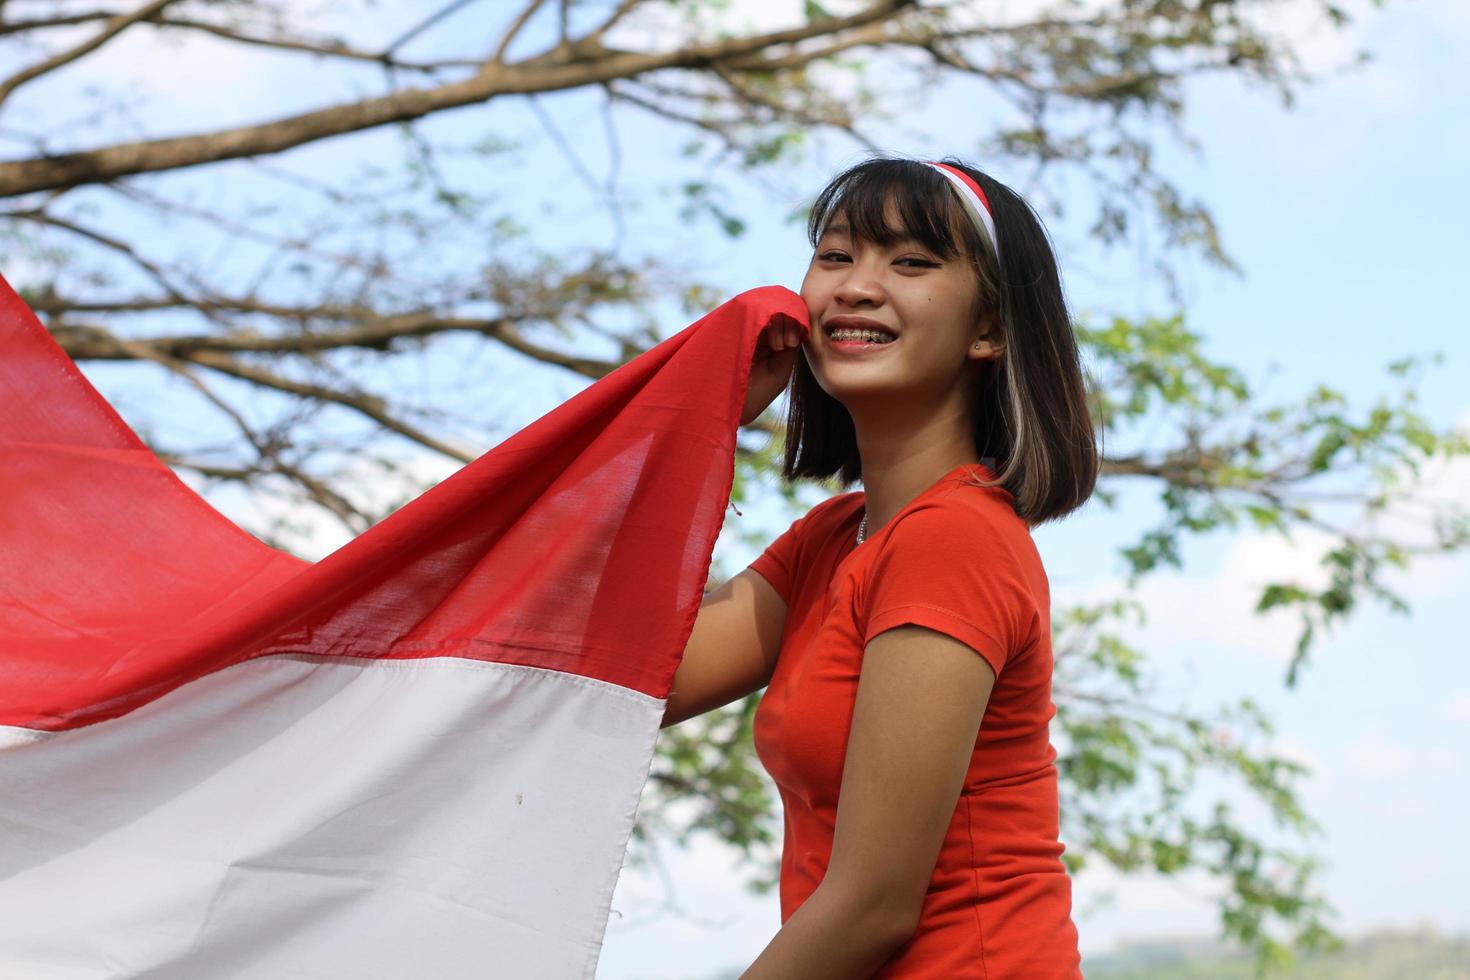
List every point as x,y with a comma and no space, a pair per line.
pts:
903,286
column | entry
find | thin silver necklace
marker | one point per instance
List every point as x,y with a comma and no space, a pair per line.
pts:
863,528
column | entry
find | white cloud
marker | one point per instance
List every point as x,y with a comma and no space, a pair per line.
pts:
1457,708
657,27
1403,805
1380,754
1344,114
1320,45
1111,908
1186,610
1450,20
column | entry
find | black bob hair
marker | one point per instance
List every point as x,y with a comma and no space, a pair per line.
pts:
1032,423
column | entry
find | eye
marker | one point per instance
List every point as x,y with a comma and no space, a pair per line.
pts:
917,263
833,255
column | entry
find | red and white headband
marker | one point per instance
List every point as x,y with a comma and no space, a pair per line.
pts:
977,205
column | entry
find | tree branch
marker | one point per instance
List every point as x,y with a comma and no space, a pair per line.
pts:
42,23
325,48
89,342
622,10
112,30
449,10
582,63
514,30
268,454
369,406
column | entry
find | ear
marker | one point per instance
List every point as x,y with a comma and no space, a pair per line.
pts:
982,348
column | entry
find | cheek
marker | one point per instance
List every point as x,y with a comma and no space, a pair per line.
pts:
813,294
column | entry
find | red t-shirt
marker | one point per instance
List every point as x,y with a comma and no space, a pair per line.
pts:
956,559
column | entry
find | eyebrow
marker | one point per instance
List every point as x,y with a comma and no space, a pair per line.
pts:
843,228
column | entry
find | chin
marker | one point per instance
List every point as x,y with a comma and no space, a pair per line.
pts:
854,390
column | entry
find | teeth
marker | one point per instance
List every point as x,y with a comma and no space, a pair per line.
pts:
869,336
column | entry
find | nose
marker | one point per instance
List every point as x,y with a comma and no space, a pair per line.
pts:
859,286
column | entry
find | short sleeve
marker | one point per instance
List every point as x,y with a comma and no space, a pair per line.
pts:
777,564
958,572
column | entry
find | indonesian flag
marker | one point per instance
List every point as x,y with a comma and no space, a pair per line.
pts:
418,757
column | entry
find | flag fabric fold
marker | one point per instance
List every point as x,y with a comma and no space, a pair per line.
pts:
419,756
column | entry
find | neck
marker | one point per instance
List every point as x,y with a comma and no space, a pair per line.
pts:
900,464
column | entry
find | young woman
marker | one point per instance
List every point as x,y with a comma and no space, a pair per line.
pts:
903,631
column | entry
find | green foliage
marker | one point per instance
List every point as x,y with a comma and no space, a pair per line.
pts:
1239,460
701,199
1129,770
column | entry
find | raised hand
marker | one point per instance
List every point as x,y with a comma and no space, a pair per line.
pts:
771,366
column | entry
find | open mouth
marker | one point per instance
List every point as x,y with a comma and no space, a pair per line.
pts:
847,335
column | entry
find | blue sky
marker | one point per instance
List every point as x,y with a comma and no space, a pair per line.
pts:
1348,217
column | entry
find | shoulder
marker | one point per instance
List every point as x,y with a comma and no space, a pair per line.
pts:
966,553
830,513
963,515
840,506
817,525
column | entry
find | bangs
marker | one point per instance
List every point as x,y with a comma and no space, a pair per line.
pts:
889,201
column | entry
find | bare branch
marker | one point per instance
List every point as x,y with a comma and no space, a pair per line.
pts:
325,48
614,168
871,34
85,342
838,118
112,30
582,63
345,511
514,30
562,143
268,453
153,269
42,23
622,94
317,491
369,406
622,10
234,227
446,11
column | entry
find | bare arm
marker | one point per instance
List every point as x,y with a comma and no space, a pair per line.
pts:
921,695
732,649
